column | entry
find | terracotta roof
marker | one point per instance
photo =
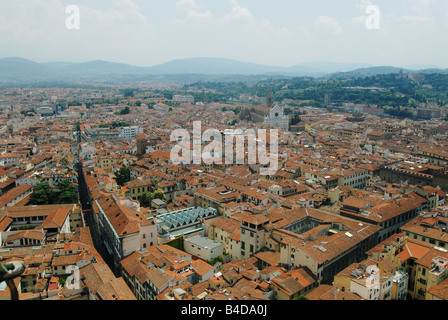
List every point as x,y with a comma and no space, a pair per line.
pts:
125,220
28,234
327,292
103,284
412,250
440,291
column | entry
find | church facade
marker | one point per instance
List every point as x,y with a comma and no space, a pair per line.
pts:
276,117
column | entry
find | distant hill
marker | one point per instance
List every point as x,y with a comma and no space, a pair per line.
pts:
222,66
18,70
18,67
333,67
371,71
95,67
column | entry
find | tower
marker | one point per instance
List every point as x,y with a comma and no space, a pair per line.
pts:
276,117
327,99
269,99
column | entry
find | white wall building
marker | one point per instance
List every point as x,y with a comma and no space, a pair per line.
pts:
130,132
203,247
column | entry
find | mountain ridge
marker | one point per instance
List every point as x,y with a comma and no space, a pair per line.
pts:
18,70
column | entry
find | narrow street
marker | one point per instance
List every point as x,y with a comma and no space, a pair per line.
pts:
87,209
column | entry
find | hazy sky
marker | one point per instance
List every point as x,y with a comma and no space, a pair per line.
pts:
281,32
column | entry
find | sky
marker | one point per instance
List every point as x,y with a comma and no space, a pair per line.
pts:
399,33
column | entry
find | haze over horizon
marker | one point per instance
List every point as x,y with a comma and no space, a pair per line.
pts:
284,33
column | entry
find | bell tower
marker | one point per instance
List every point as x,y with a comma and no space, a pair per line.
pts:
269,99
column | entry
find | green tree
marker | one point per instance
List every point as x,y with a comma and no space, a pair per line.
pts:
123,176
215,261
128,93
43,194
301,297
159,194
125,111
67,193
146,198
237,110
63,193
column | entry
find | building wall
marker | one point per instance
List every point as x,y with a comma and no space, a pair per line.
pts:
354,180
108,163
251,241
222,236
364,291
421,282
235,249
148,235
202,252
137,192
66,225
280,294
294,257
130,244
399,287
130,132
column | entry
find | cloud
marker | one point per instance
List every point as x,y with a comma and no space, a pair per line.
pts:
327,25
362,6
238,17
239,13
193,12
105,33
284,32
420,15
